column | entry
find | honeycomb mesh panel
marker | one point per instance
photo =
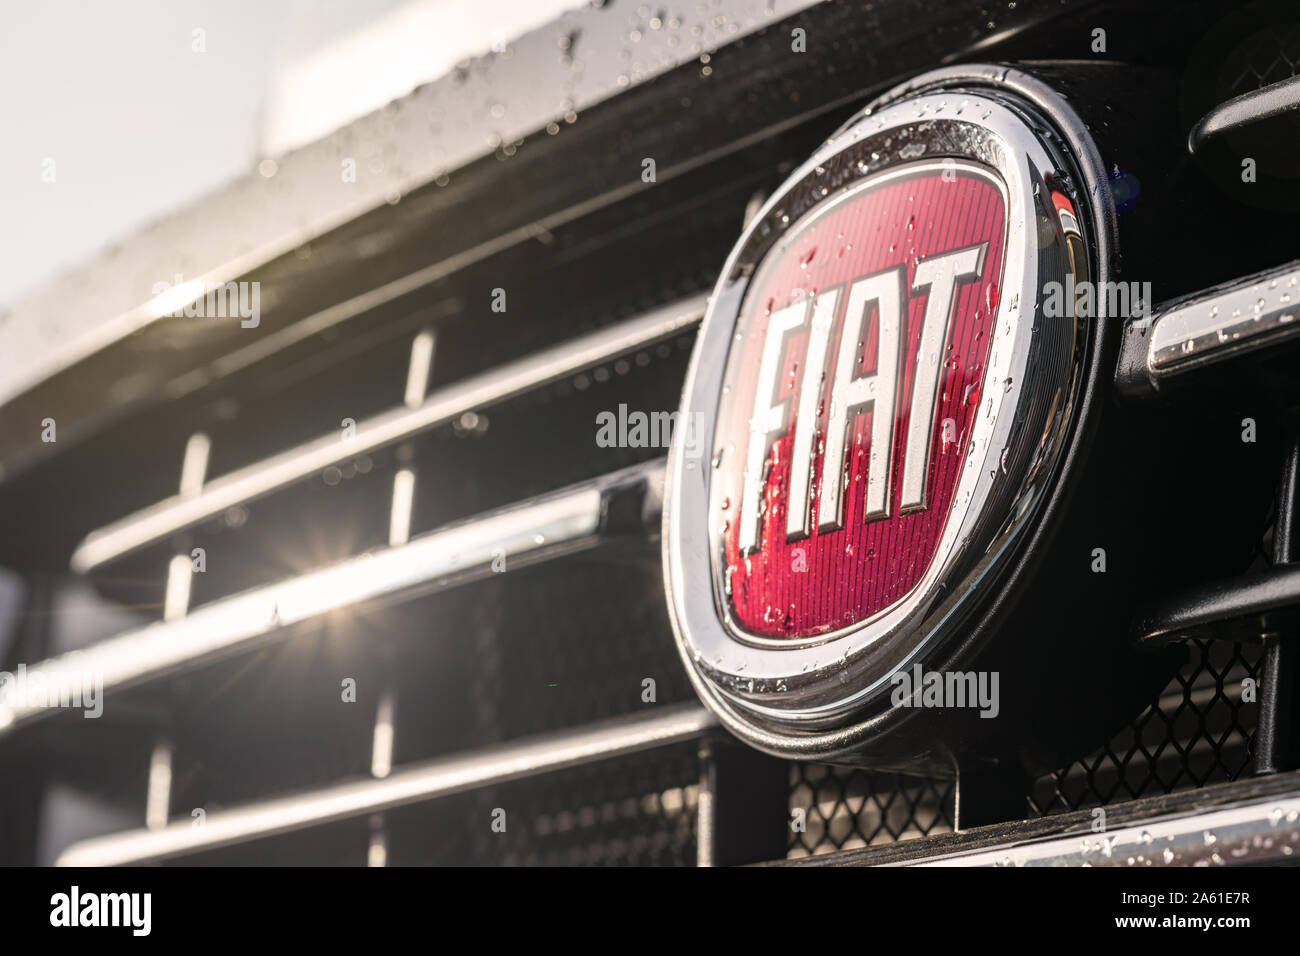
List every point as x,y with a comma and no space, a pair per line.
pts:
1198,731
1264,59
844,808
638,810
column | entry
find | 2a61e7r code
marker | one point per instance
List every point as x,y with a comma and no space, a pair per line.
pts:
1196,897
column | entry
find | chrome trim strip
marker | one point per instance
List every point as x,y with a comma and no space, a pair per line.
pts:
441,777
531,531
1255,831
1217,323
253,481
1244,110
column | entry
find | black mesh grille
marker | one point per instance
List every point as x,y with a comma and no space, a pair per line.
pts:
637,811
1264,59
1197,732
845,808
632,811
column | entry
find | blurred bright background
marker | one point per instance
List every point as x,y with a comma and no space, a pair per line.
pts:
145,105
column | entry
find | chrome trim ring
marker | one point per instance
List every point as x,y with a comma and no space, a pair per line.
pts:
821,697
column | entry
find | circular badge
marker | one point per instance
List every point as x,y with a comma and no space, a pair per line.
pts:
887,374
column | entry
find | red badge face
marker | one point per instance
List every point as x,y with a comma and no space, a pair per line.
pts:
852,386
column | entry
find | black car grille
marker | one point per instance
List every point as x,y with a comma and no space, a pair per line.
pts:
1196,732
550,647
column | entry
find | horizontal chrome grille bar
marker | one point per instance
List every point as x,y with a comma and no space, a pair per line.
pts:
1272,100
425,781
535,530
254,481
1226,320
1247,314
1259,831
